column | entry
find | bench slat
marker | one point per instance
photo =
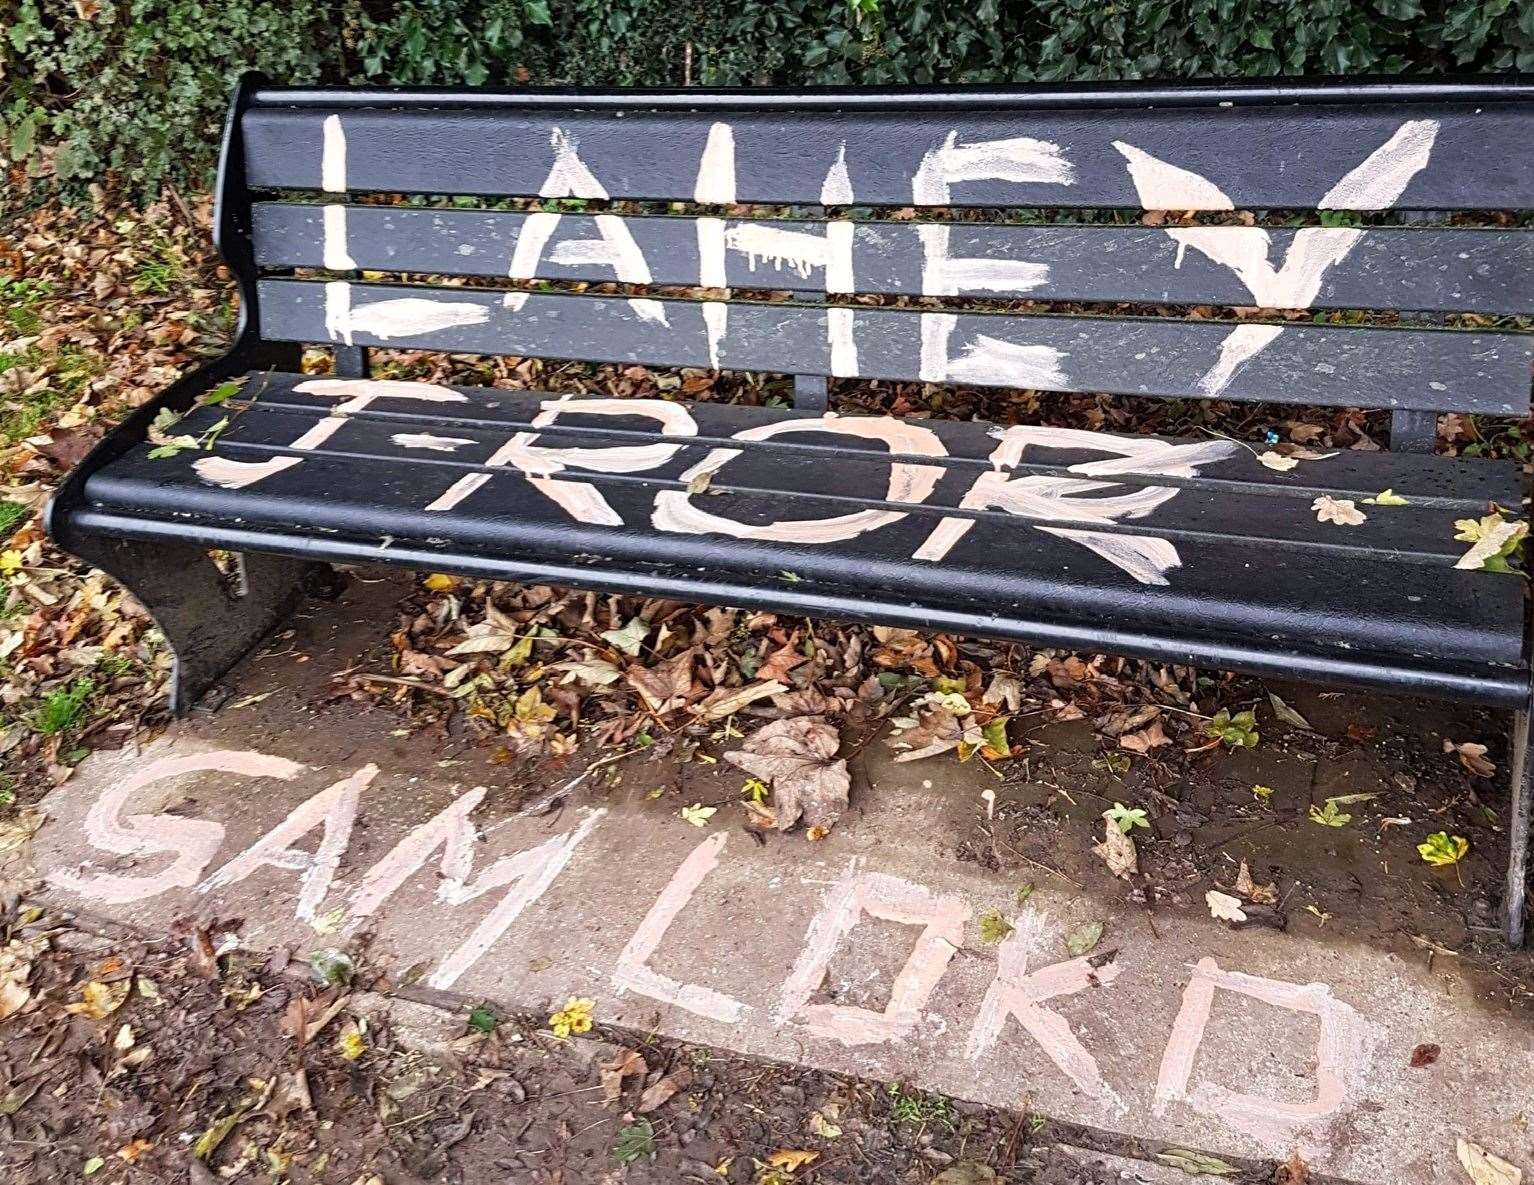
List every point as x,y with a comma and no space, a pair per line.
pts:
1354,591
1385,268
1428,370
1464,485
1453,155
1273,513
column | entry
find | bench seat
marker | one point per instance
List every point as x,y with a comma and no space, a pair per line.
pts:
1187,551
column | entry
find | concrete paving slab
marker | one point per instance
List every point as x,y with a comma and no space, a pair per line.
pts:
858,954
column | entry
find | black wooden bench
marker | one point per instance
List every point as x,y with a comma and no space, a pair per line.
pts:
1188,551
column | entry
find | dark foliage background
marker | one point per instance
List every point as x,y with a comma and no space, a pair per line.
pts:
134,90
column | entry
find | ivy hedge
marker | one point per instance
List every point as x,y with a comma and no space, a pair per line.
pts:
133,91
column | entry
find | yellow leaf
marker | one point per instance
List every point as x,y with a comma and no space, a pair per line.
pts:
99,1000
698,815
1440,849
441,582
1386,498
132,1151
351,1046
792,1159
10,562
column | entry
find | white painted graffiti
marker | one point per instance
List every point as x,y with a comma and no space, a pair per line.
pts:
1025,986
1075,505
1376,183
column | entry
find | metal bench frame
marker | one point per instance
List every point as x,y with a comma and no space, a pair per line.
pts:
212,621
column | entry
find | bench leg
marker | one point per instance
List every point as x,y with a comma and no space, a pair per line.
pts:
1518,830
211,619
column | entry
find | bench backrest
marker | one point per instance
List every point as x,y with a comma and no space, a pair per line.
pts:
909,298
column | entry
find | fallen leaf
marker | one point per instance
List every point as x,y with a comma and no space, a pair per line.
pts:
1386,498
1277,461
1441,849
658,1092
791,1159
630,637
1084,937
798,759
966,1172
1004,690
1494,540
351,1045
666,685
722,702
698,815
15,972
1224,907
1287,714
1485,1168
625,1063
1293,1171
822,1126
1196,1162
1118,850
1341,511
1425,1055
935,730
99,1000
132,1150
1472,756
994,927
441,582
92,1166
1252,891
1146,739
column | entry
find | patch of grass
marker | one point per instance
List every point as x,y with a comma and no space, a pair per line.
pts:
160,272
19,301
74,368
61,711
12,515
21,418
920,1109
114,666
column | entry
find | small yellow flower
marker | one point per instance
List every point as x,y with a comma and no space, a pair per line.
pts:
574,1017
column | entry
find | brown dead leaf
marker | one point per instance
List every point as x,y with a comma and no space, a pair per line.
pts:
937,731
15,972
1146,739
798,759
203,960
99,1000
1004,690
722,702
290,1094
132,1150
1118,851
666,686
658,1092
624,1063
1293,1171
1425,1055
1472,756
1252,891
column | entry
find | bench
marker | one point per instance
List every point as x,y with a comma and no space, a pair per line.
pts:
1190,551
